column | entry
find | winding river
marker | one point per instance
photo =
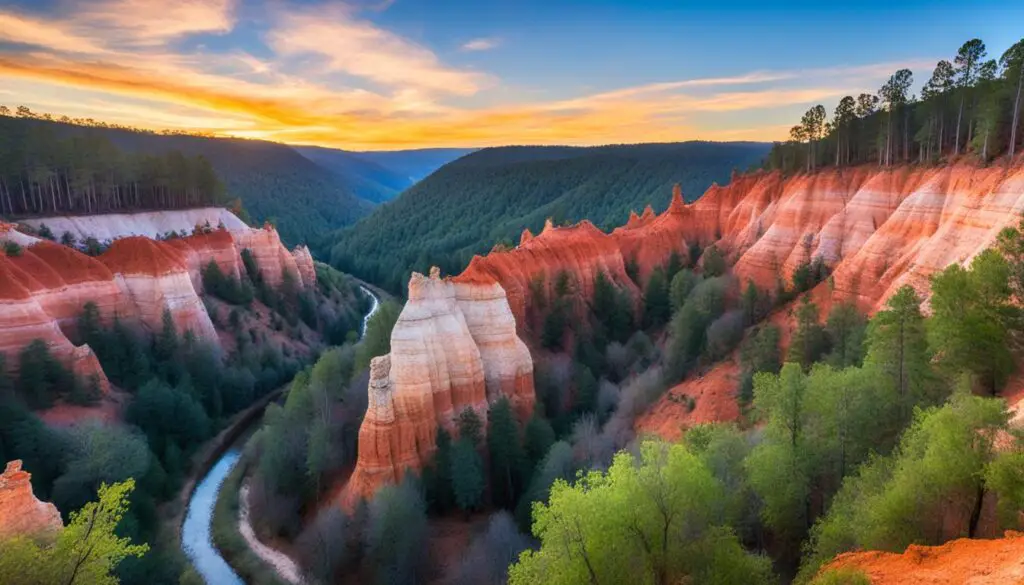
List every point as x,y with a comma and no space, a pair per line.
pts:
196,537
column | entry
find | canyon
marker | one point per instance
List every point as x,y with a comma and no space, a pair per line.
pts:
44,286
877,229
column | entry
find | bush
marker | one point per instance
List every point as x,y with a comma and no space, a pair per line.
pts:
12,249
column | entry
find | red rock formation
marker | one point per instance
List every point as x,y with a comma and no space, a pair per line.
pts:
304,264
21,514
581,251
454,347
959,562
154,275
200,249
269,253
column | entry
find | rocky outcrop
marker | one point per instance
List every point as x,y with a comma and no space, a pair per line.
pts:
272,258
304,264
962,561
44,287
200,249
579,252
454,347
21,514
154,276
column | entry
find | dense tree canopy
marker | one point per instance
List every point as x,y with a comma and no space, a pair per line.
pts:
972,104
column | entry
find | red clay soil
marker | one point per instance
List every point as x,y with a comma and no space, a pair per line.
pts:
141,255
714,397
62,415
450,537
73,266
14,283
959,562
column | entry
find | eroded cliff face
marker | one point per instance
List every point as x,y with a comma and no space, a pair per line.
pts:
44,287
21,514
454,347
877,228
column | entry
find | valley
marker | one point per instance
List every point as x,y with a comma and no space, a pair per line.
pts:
239,346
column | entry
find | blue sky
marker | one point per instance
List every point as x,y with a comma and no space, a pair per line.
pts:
378,74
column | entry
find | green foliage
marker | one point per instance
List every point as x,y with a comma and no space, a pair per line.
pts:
966,105
468,482
437,477
809,342
12,248
688,328
843,576
491,195
43,379
651,521
682,283
470,426
713,262
898,346
971,316
845,329
537,439
758,353
937,473
1004,476
91,163
224,286
396,534
612,310
656,300
86,552
506,455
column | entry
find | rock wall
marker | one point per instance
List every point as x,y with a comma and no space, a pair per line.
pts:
45,286
21,514
877,228
454,347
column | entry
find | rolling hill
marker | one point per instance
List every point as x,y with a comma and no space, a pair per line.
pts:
491,195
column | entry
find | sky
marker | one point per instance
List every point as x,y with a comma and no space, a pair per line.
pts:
397,74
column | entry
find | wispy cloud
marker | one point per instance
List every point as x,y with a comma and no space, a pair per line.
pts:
329,75
336,39
481,44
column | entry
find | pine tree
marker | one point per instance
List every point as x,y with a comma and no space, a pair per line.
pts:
506,454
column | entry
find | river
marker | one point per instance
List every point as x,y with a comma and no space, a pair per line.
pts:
196,537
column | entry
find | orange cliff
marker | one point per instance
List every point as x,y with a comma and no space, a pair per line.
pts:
21,514
958,562
877,228
454,347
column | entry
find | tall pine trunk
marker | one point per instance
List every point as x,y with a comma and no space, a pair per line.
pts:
959,121
1016,111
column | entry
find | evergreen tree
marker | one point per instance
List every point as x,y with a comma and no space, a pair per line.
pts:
470,426
467,475
656,300
809,341
506,454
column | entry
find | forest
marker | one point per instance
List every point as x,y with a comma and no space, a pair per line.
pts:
490,196
104,167
970,105
44,173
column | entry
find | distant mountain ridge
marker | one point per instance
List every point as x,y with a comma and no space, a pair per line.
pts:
308,192
491,195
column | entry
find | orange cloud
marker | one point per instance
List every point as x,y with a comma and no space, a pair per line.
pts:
118,49
346,44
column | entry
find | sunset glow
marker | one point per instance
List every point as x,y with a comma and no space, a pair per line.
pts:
360,75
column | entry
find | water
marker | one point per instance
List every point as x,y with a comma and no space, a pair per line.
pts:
196,532
373,309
